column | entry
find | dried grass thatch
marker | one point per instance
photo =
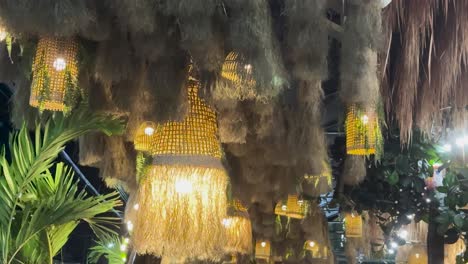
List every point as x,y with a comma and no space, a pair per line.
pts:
354,170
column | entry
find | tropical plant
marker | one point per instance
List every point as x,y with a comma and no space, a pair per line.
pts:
40,202
112,248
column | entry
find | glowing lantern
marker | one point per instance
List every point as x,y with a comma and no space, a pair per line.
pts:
263,249
353,225
3,33
144,136
55,74
363,135
418,255
293,207
182,200
238,229
239,76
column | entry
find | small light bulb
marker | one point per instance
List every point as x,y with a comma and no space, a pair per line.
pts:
129,225
110,245
393,244
227,222
60,64
3,34
248,67
403,234
311,244
391,251
428,200
263,244
149,131
124,259
126,240
410,216
417,255
136,207
183,186
123,247
284,207
300,202
365,119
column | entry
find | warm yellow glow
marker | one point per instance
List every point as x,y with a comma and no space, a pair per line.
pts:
284,207
144,137
149,131
136,206
293,207
238,229
263,249
3,34
418,255
130,226
311,244
353,225
183,186
363,135
55,74
227,222
263,244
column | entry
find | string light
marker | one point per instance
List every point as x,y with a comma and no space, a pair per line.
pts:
403,234
391,251
110,245
410,216
393,244
263,244
311,243
59,64
428,200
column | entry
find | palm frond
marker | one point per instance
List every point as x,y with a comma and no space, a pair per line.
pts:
111,248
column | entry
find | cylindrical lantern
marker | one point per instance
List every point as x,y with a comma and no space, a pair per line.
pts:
297,208
313,248
353,225
237,80
281,208
418,255
263,249
55,74
363,135
144,136
182,199
238,229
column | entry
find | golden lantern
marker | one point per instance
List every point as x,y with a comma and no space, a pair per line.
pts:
263,249
55,74
182,198
363,135
294,207
3,33
238,229
353,225
144,136
418,255
237,78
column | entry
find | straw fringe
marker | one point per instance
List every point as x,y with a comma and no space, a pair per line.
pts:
354,170
239,235
182,225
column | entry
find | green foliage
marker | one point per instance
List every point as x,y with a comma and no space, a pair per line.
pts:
40,203
112,248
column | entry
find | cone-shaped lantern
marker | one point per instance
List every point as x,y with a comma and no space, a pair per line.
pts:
55,74
182,200
238,229
363,134
237,79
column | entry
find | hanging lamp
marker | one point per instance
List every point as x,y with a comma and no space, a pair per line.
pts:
363,135
353,225
237,79
238,229
418,255
263,249
293,207
144,136
182,198
55,74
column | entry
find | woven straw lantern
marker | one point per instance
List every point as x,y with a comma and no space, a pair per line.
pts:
313,248
55,74
237,79
418,255
363,135
238,229
144,136
182,198
293,207
263,249
353,225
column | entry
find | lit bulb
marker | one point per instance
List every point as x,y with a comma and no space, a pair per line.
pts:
284,207
123,247
129,225
403,234
248,67
59,64
124,259
263,244
183,186
227,222
3,34
393,244
428,200
136,207
417,255
311,244
300,202
410,216
391,251
149,131
365,119
126,240
110,245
